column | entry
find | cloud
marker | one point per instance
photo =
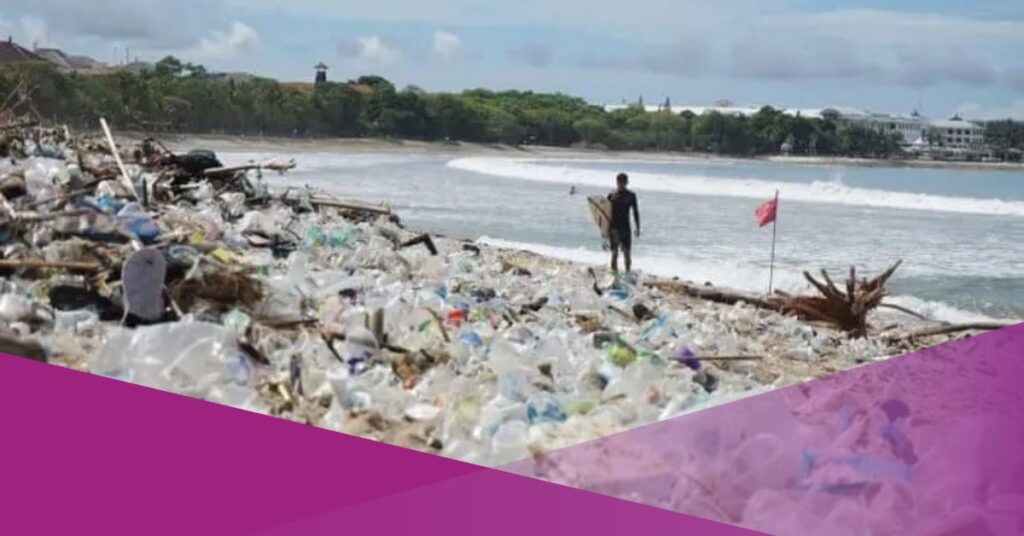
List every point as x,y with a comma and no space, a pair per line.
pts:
1014,78
223,44
369,48
1014,110
142,23
29,31
446,44
923,67
822,58
533,54
875,27
663,18
685,58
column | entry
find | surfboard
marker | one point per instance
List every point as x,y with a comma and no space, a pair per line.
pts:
601,211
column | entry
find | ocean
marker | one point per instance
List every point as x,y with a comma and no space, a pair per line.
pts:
960,232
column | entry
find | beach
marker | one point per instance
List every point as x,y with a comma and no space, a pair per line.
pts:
466,309
356,145
699,213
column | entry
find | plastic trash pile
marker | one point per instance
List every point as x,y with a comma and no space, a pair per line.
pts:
187,276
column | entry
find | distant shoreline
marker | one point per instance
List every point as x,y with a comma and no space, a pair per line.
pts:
895,163
217,142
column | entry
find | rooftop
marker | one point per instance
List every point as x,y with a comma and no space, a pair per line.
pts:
954,123
11,52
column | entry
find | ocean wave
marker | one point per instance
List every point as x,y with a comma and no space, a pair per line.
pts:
831,192
318,161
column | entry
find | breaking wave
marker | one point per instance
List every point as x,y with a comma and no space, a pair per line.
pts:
815,192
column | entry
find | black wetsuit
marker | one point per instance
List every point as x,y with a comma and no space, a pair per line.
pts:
621,230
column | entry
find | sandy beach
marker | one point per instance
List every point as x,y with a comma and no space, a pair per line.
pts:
358,145
358,324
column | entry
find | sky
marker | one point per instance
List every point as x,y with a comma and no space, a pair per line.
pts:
938,57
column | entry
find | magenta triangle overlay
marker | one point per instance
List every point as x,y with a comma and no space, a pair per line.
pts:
930,443
86,454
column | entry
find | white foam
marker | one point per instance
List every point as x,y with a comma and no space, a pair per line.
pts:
732,275
941,312
316,161
831,192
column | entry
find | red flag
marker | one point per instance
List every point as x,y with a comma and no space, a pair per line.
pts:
765,214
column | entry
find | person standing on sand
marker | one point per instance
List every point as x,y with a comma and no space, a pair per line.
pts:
623,200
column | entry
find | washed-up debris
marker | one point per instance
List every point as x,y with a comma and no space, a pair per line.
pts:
177,270
23,348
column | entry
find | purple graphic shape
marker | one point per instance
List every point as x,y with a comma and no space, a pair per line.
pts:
930,443
84,454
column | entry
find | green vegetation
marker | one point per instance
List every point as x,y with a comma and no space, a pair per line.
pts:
1006,138
183,97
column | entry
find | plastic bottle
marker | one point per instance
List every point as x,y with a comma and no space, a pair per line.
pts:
74,321
471,338
621,354
14,307
339,236
544,408
509,442
236,321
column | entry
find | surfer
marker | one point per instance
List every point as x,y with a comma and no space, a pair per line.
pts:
572,190
623,200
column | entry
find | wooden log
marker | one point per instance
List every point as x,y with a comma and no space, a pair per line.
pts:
32,217
40,264
16,126
955,328
421,239
273,166
61,197
714,294
904,310
117,158
334,203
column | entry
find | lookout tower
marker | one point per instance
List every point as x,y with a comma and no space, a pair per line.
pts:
321,73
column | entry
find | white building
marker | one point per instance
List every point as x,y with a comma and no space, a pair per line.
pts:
955,133
911,128
722,108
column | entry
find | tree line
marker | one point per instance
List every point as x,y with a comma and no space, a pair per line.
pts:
183,97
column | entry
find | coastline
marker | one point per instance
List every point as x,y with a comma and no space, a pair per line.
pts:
380,145
443,406
350,322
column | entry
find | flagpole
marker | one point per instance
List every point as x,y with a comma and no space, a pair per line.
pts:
775,225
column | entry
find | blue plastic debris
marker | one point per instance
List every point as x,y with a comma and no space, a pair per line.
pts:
619,294
545,409
471,338
143,227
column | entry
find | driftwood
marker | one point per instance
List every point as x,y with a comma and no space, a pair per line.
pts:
712,294
33,217
228,170
421,239
38,264
26,348
334,203
847,309
61,197
16,126
125,178
955,328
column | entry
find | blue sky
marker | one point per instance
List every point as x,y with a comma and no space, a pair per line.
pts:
939,56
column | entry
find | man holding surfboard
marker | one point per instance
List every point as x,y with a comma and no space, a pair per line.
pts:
622,202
